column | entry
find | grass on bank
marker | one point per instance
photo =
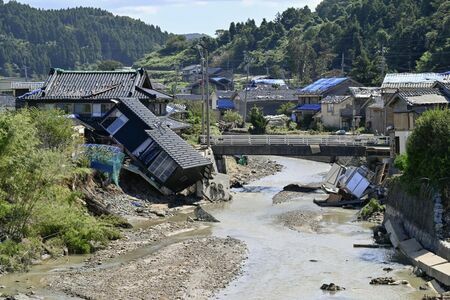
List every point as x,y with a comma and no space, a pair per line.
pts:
40,208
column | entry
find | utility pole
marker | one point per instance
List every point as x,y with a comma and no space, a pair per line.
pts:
342,63
247,66
208,134
383,62
25,68
202,68
177,73
205,77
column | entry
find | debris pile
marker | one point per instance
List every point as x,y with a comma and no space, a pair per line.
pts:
352,186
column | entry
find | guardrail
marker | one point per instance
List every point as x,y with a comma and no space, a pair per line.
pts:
264,140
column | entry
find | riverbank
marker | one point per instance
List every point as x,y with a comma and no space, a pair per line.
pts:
173,252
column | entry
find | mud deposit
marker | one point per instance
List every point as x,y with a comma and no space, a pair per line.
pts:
301,220
193,269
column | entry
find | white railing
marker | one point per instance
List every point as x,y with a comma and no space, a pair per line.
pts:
261,140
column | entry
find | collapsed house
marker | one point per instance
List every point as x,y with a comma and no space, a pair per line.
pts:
158,154
122,107
351,185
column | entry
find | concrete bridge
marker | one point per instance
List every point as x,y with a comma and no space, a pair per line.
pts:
298,145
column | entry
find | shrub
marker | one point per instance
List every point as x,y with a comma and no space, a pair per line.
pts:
232,117
401,162
428,149
370,208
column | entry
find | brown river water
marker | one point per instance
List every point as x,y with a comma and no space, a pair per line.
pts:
278,265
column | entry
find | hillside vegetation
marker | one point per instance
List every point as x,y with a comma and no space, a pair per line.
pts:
69,38
364,37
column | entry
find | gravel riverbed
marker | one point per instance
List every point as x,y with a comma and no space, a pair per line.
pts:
192,269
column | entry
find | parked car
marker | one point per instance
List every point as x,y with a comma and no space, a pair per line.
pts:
340,132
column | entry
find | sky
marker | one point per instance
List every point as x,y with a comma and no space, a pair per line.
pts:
183,16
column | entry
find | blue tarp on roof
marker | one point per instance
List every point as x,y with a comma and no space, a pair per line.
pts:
323,84
313,107
225,104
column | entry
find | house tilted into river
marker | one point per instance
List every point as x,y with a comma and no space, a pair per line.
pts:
122,107
159,155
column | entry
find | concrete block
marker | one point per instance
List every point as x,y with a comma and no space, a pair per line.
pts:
426,260
396,233
441,273
435,286
410,246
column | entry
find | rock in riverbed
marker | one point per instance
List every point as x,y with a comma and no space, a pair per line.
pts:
331,287
387,281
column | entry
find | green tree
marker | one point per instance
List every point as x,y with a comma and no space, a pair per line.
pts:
286,108
428,149
258,121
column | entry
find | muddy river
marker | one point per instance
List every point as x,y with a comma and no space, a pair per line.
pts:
282,263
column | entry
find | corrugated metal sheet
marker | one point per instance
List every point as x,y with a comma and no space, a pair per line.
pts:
411,80
365,92
322,85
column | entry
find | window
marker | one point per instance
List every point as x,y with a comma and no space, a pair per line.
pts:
330,107
106,107
82,108
137,152
117,124
96,110
49,106
163,166
66,107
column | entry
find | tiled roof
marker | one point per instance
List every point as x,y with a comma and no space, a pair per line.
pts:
423,96
365,92
183,153
156,94
173,124
411,80
93,85
335,99
141,111
322,85
377,104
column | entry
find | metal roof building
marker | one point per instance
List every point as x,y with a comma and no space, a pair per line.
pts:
411,80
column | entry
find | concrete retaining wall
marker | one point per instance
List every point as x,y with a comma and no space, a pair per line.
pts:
419,217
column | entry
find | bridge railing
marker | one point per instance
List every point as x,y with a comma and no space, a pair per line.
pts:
262,140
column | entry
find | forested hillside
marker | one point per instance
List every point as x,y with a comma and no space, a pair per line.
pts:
69,38
362,37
